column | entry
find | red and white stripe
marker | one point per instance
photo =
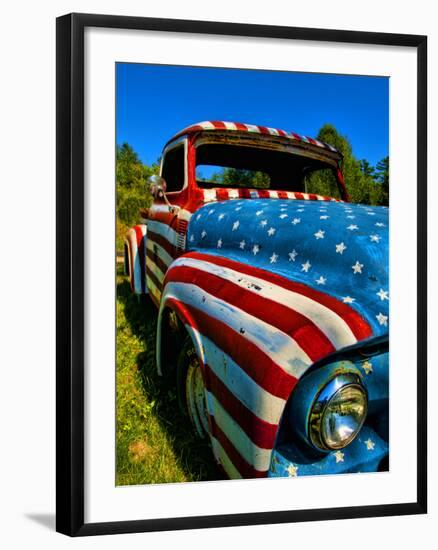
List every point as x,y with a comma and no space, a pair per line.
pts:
211,125
160,253
259,332
226,193
163,211
163,244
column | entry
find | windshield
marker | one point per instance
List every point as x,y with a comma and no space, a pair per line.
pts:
243,166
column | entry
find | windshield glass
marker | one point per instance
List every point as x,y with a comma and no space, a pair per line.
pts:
242,166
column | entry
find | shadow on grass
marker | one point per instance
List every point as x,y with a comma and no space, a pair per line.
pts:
194,455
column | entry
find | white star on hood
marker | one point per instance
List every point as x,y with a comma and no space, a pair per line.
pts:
357,267
383,294
293,255
383,319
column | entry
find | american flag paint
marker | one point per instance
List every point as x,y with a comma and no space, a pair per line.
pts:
338,249
267,298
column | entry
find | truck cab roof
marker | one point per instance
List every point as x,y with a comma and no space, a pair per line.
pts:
253,129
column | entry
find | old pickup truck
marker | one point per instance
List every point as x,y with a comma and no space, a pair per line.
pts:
273,299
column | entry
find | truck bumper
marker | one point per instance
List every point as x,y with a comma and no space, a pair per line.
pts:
367,453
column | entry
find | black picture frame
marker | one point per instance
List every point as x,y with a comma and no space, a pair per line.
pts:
70,272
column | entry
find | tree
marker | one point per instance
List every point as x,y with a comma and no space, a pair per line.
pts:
132,184
382,176
236,177
358,175
366,168
129,170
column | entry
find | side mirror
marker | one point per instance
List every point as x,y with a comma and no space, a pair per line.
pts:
158,187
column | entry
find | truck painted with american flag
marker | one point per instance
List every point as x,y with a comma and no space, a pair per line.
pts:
273,300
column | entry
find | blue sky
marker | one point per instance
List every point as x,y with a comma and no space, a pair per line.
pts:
153,102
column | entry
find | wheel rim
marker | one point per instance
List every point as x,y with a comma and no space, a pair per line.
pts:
195,395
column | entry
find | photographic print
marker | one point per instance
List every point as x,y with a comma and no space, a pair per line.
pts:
252,274
241,232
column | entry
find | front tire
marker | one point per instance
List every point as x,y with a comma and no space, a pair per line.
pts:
191,389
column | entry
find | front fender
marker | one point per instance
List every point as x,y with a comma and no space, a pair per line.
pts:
135,258
254,342
170,302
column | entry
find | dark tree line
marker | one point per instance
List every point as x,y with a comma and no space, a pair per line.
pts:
366,184
132,184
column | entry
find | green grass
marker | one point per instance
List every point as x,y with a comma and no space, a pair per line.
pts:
155,441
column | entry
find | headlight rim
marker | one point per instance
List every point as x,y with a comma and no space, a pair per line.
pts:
336,384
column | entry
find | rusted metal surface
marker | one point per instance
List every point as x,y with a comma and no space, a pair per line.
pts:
270,142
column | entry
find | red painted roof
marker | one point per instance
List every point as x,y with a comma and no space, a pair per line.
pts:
212,125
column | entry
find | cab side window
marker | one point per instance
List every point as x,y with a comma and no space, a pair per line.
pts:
173,169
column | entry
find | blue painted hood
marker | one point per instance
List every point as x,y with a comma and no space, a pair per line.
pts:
338,248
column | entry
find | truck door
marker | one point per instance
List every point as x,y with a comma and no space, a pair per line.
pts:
165,228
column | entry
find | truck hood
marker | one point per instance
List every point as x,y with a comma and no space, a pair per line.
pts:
337,248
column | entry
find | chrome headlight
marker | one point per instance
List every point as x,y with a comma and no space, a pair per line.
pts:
338,412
